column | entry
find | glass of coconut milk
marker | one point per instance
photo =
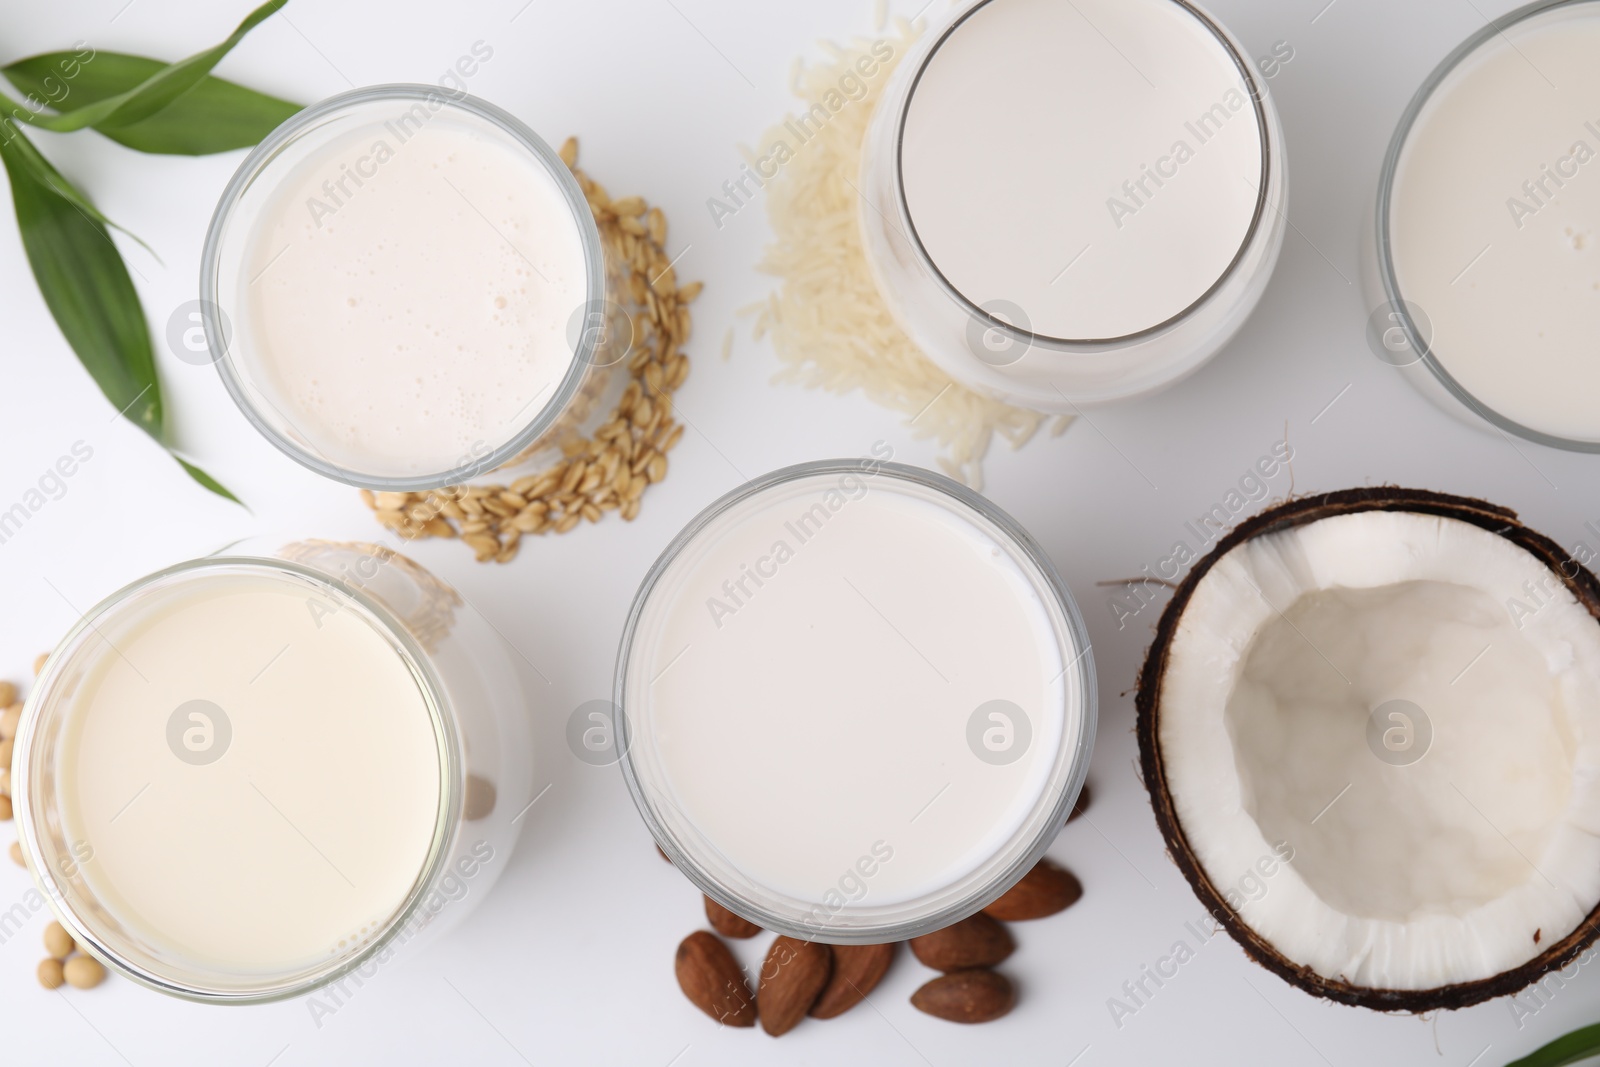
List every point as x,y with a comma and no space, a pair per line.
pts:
856,701
1483,263
244,778
404,287
1069,204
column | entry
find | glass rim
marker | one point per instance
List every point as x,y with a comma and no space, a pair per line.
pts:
1078,746
1269,147
307,120
1387,278
441,716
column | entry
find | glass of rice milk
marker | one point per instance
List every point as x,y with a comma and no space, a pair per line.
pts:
404,287
1073,203
248,778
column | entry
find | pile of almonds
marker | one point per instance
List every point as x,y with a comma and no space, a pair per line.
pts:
611,470
800,978
63,964
970,990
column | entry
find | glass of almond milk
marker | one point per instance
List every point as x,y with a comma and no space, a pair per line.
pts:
248,778
1073,203
1482,265
856,701
404,287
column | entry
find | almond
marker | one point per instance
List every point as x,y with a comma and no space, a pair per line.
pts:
792,977
977,941
1045,890
1081,805
976,996
710,977
857,970
727,923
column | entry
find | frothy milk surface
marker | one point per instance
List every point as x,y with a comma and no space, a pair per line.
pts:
310,829
1094,163
805,678
408,290
1495,222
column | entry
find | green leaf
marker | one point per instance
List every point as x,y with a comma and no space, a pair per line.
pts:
84,283
171,81
29,157
1573,1048
206,480
212,116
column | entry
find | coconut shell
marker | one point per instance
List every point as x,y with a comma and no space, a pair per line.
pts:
1497,520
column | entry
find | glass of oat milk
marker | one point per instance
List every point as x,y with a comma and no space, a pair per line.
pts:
1482,266
249,778
1073,203
404,287
856,701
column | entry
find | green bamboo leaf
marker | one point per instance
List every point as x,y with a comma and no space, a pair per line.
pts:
212,116
170,82
85,285
206,480
1575,1047
29,157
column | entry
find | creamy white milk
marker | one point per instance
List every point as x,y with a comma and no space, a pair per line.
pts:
309,830
1095,164
408,289
1495,222
804,678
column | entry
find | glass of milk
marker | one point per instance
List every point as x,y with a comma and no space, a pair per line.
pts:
1069,204
404,288
248,778
1483,263
856,701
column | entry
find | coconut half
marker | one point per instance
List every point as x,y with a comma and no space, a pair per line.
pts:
1370,729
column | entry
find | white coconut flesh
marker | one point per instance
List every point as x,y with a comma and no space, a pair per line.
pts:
1464,864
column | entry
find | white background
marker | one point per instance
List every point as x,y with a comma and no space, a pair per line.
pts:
569,959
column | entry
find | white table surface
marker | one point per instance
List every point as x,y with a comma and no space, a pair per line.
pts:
569,960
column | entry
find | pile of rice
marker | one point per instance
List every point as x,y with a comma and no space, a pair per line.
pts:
830,327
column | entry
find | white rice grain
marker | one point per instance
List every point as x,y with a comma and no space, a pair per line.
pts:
827,322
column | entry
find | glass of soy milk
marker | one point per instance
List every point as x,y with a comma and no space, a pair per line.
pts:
247,778
404,287
1073,203
1483,267
856,701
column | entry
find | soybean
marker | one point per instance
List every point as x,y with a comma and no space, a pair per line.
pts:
83,972
51,973
57,941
